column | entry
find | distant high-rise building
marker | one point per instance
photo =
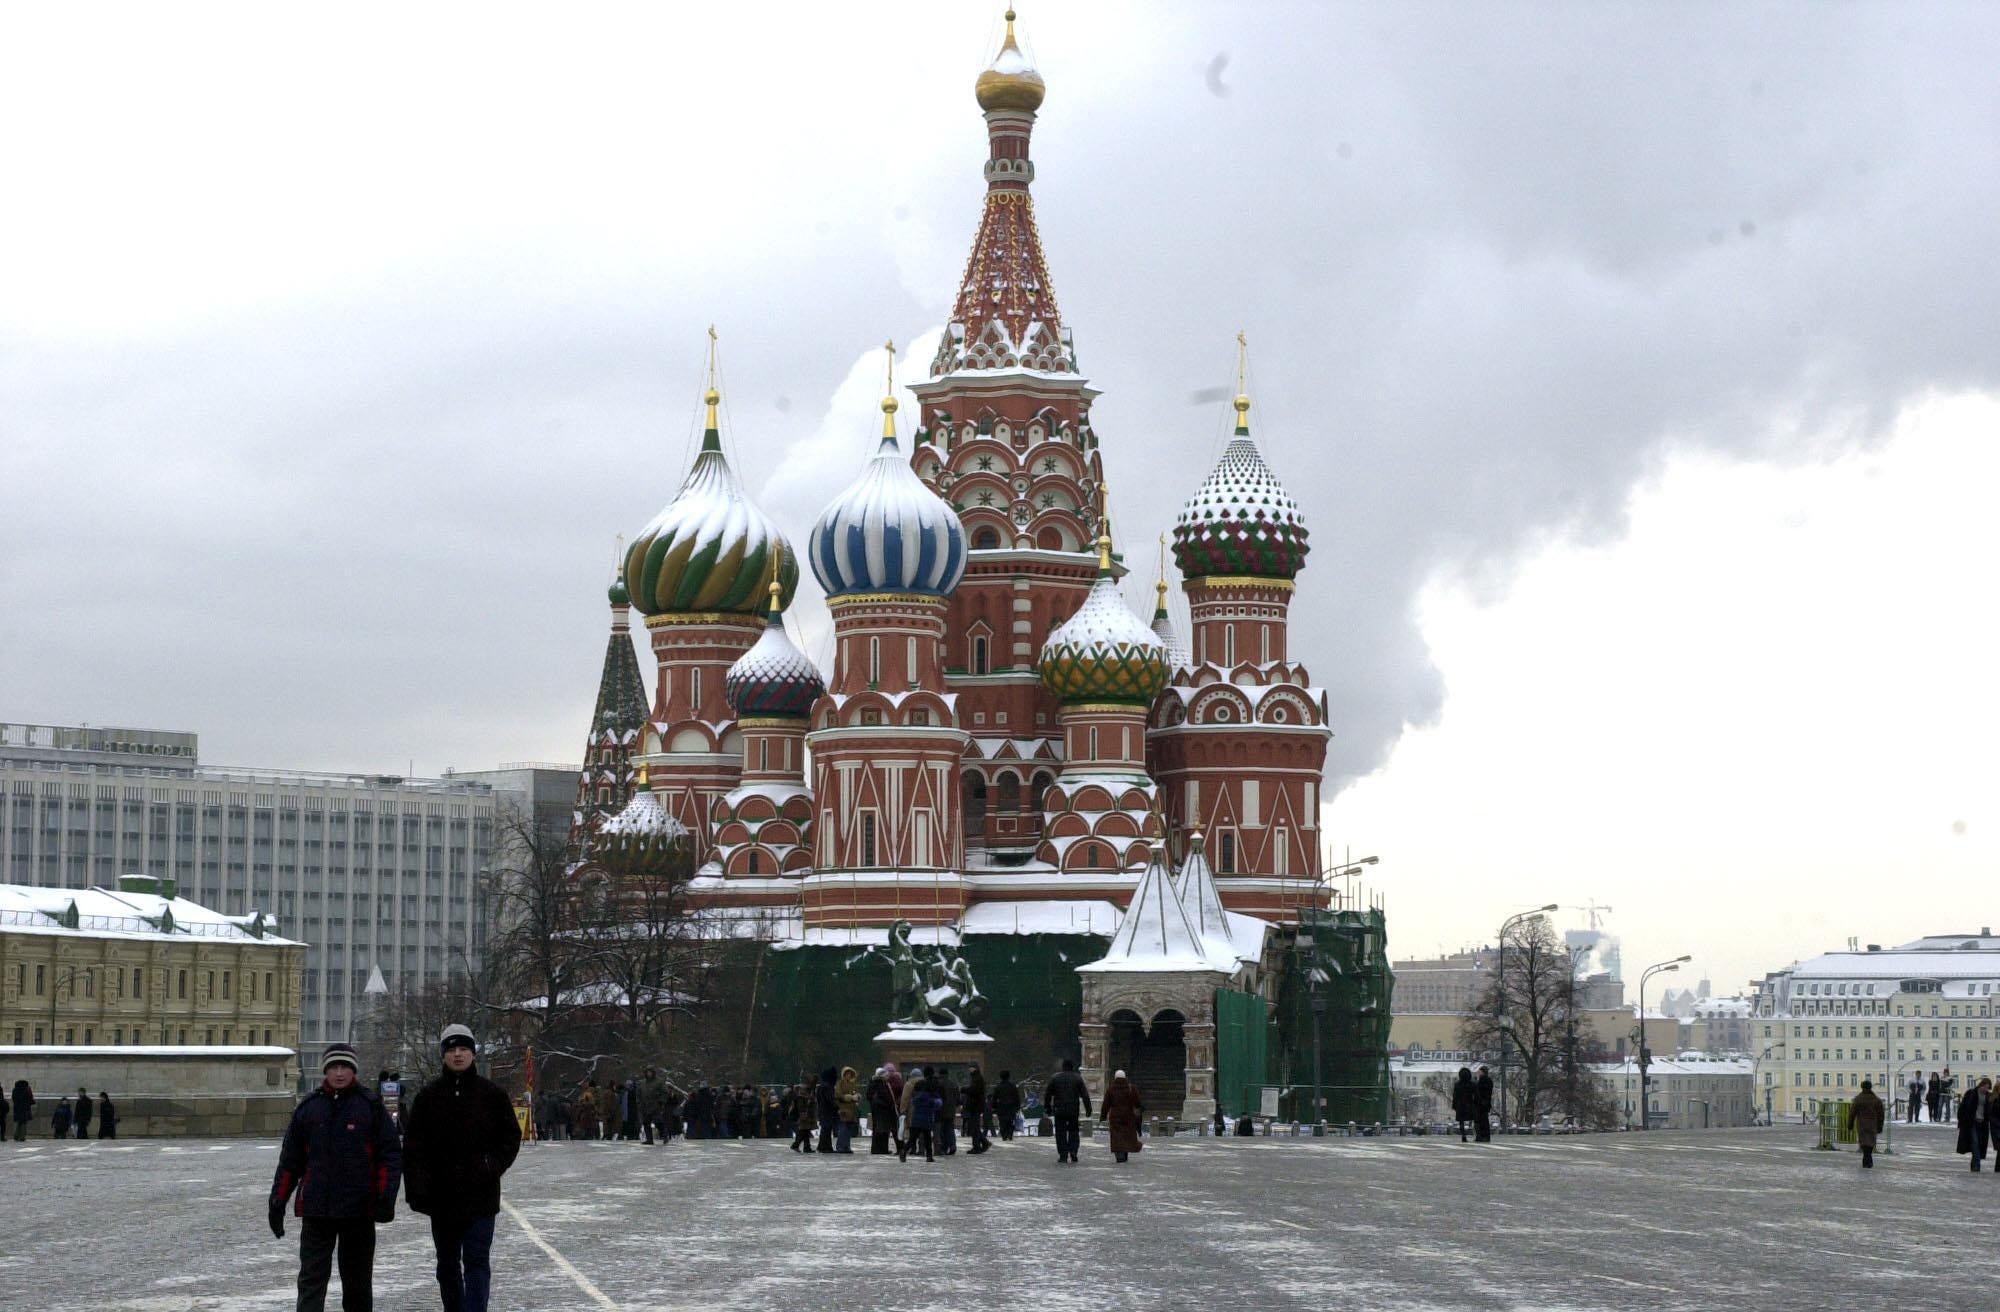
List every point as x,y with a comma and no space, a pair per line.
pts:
367,869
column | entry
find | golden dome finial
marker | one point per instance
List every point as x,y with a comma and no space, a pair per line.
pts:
889,395
777,588
711,398
1160,580
1010,82
645,777
1242,383
1104,529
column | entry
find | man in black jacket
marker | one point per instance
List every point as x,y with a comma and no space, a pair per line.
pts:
459,1138
83,1110
1006,1102
1066,1099
341,1159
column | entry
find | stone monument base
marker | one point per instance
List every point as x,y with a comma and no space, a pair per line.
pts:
929,1045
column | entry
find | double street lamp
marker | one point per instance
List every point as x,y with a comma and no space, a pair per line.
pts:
1645,1054
1500,995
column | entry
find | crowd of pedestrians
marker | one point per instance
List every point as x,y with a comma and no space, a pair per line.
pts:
69,1120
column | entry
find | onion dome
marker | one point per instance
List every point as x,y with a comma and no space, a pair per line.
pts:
1241,520
1011,82
1104,653
888,532
710,549
642,839
773,677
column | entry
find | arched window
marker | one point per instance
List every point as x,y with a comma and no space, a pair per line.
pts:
755,865
979,661
1038,790
985,539
1009,792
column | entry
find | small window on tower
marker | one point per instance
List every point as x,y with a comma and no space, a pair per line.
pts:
986,539
979,655
1225,854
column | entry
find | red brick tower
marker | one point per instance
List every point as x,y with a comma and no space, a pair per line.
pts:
1004,436
701,573
885,739
1238,740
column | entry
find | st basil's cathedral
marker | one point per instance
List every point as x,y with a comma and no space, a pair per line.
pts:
1003,754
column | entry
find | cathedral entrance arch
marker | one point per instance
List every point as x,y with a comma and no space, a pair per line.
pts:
1153,1055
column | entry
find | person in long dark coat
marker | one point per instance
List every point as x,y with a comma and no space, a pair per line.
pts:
1482,1107
946,1089
826,1106
59,1119
459,1138
82,1116
881,1114
1975,1121
1006,1105
1867,1115
1934,1098
23,1107
805,1119
107,1116
1462,1098
1122,1112
975,1109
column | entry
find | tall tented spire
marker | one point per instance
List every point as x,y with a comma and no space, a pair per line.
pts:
616,722
1156,933
1202,901
1005,315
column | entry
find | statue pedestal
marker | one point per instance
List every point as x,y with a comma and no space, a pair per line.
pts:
933,1045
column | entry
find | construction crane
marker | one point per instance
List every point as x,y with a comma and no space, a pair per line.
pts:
1595,912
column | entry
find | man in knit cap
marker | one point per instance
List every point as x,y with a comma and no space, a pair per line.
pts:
459,1139
339,1164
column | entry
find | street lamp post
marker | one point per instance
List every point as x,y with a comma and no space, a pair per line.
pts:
56,986
1500,993
1659,968
1770,1118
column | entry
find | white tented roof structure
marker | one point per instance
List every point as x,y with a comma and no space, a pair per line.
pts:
1156,934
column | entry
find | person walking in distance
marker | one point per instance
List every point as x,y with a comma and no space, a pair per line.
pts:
1934,1098
23,1100
1915,1109
826,1106
59,1119
1867,1115
906,1107
83,1110
1006,1105
1975,1121
925,1107
1462,1097
847,1106
1066,1099
459,1138
805,1117
1123,1113
1482,1107
881,1114
946,1089
976,1109
107,1116
339,1167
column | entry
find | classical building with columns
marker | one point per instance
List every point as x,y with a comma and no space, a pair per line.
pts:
1001,751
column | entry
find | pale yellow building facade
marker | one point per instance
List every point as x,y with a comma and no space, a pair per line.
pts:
138,966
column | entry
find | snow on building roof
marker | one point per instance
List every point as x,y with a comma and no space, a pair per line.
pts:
1900,963
1156,935
1053,916
1202,901
103,913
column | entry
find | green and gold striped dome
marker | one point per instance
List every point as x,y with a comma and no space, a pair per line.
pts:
710,549
1104,653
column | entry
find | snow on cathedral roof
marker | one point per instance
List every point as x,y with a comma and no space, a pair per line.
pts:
1156,935
887,532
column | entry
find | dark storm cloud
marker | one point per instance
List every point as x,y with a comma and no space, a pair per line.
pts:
1492,260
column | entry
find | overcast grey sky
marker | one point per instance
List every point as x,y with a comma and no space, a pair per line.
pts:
334,348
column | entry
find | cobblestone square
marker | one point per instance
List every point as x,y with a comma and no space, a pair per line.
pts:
1747,1218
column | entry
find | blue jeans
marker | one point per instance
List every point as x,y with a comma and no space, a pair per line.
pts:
464,1271
843,1136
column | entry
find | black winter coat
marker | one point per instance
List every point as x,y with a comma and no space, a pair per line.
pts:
1462,1098
973,1101
83,1110
459,1138
825,1103
24,1100
1482,1096
1065,1094
1968,1119
881,1105
107,1118
342,1156
1006,1098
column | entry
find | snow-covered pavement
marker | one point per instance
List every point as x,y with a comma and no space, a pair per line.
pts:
1666,1220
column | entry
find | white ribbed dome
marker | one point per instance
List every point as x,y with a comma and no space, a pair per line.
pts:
888,533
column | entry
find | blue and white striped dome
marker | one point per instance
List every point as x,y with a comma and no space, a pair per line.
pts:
888,532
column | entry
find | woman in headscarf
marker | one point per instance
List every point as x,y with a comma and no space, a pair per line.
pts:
1122,1111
